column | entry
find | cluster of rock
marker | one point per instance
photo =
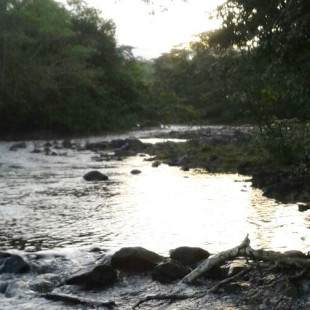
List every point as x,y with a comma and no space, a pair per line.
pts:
120,147
137,260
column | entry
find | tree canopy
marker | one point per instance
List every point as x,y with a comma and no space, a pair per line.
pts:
61,69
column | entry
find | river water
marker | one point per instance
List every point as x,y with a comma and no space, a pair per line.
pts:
46,206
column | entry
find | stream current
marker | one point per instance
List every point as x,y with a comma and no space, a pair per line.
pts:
47,207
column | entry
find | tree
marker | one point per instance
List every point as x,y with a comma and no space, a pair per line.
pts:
61,70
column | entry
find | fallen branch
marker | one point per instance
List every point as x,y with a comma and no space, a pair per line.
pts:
216,260
78,300
216,287
244,250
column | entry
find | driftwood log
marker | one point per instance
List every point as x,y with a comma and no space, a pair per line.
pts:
242,250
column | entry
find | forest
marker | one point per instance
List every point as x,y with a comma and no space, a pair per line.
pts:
61,71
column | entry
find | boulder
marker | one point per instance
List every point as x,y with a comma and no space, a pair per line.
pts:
189,255
95,176
98,277
135,260
135,171
19,145
12,263
169,271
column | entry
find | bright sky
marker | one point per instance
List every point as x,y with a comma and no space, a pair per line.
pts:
152,35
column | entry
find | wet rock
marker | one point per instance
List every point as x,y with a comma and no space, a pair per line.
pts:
134,144
13,264
97,146
100,276
302,207
36,150
295,253
4,255
150,159
185,168
19,145
95,176
169,271
48,144
156,163
42,286
189,255
135,171
95,250
67,144
3,286
135,259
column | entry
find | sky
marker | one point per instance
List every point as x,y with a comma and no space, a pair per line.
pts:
152,35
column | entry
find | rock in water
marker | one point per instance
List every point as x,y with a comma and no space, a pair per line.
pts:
135,171
156,163
135,259
19,145
100,276
12,263
189,255
169,271
95,176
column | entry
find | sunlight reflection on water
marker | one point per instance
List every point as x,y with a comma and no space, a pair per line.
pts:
46,204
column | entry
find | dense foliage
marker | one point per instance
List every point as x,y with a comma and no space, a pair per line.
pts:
276,38
61,70
255,68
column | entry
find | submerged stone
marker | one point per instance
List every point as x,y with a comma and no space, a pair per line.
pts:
135,259
135,171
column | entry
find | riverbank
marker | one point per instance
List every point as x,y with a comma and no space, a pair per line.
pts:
230,149
135,277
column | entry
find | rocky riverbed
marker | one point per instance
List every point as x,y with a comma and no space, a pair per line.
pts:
122,280
68,207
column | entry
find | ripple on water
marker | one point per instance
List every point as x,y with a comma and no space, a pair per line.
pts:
49,205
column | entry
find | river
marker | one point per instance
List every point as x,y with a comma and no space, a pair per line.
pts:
47,207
